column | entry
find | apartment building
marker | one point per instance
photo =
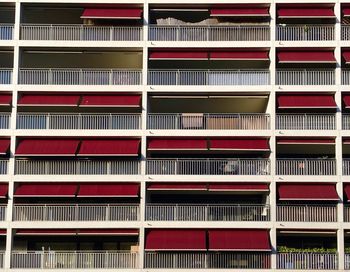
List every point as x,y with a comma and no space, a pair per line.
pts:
174,135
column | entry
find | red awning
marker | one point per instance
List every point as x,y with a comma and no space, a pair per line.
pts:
347,190
306,57
239,55
45,189
346,56
5,99
4,187
4,146
346,99
109,190
110,147
127,101
42,232
239,240
178,55
241,144
2,232
303,12
294,101
307,191
238,187
179,239
111,232
305,141
177,144
177,186
47,147
41,100
110,13
240,12
346,12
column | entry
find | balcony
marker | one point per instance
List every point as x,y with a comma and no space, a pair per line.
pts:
74,260
76,167
202,212
5,76
5,120
80,33
305,77
345,121
305,121
345,77
346,167
208,77
304,32
345,32
200,260
306,213
6,31
4,167
77,121
209,33
299,167
208,167
69,76
76,212
208,121
347,261
307,261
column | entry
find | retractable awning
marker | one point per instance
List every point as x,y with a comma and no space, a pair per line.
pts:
240,55
177,186
307,191
296,101
4,146
112,13
109,232
305,141
346,56
3,190
163,144
240,12
238,187
346,100
240,144
41,100
101,189
306,57
46,189
239,240
5,99
316,12
110,147
178,55
47,147
175,240
346,12
347,191
123,101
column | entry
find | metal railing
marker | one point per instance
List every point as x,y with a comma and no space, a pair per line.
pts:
2,259
80,33
5,76
314,167
345,121
208,166
347,261
4,167
76,76
208,77
347,214
192,260
306,213
73,259
3,209
77,121
6,31
306,121
208,121
345,76
5,120
305,77
76,212
304,32
345,32
202,212
76,167
305,261
346,167
209,33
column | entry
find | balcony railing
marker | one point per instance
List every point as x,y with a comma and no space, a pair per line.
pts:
314,167
347,261
76,167
208,77
209,33
5,76
208,167
81,33
75,76
305,121
2,259
347,214
208,121
75,212
201,212
304,32
306,261
4,167
193,260
345,121
74,260
6,32
5,120
345,32
307,213
77,121
346,167
305,77
345,76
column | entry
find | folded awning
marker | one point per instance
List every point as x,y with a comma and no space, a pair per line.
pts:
238,187
295,101
239,55
110,147
4,187
41,100
101,189
112,13
175,239
125,101
178,55
5,99
44,232
307,191
161,144
109,232
239,240
4,146
240,144
47,147
306,57
305,141
346,100
347,190
346,12
3,232
45,189
240,12
306,12
177,186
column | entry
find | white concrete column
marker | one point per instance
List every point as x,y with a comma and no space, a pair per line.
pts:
340,246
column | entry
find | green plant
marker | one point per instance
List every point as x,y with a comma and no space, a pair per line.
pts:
285,249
